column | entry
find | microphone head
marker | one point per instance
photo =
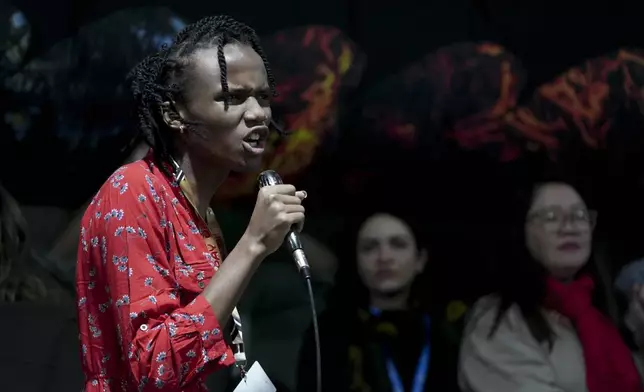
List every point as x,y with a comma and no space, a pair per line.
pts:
269,178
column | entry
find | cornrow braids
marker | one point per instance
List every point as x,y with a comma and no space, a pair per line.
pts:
160,77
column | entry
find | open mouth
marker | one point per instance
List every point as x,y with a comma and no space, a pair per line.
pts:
256,139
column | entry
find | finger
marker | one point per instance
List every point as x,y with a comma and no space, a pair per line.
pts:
301,194
268,192
293,208
636,318
640,294
295,218
635,302
287,199
282,189
637,293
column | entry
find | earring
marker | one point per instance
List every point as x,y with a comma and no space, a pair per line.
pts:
182,128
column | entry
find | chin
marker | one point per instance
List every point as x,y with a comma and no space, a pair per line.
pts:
574,267
567,268
389,288
248,166
577,259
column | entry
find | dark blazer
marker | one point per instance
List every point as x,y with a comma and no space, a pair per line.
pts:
339,332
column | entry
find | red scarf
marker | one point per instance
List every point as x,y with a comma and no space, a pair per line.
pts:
609,363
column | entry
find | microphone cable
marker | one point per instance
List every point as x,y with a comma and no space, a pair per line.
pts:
294,245
316,333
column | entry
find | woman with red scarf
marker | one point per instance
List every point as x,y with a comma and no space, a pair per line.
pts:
543,331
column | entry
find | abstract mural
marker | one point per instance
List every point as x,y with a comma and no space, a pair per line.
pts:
468,93
70,104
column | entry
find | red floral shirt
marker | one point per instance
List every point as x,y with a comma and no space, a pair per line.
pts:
142,263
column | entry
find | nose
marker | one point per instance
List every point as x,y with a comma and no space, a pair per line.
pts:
569,227
385,256
255,113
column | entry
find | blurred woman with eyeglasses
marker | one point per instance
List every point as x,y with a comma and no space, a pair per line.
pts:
546,329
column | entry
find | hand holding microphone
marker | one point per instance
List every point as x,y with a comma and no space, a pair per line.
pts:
270,182
278,209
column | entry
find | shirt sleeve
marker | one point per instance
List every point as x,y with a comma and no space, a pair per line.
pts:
509,361
128,294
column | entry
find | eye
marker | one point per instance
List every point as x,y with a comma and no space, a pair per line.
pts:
237,98
264,97
550,216
399,243
581,215
367,246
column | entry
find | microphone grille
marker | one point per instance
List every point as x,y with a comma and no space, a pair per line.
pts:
269,178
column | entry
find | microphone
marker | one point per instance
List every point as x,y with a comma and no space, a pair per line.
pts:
292,240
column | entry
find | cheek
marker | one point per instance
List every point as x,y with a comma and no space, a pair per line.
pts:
365,266
269,113
587,237
230,121
587,242
409,267
537,244
222,122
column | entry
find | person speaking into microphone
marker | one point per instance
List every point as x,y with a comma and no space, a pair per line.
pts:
155,284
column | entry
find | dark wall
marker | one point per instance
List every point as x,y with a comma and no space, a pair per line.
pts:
546,36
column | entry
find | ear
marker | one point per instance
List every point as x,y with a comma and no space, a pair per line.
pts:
421,261
171,116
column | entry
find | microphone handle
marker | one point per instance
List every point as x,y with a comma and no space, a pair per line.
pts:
294,245
292,240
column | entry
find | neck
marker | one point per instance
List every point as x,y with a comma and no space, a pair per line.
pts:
564,275
396,301
204,180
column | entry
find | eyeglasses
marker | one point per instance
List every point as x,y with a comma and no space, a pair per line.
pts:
553,218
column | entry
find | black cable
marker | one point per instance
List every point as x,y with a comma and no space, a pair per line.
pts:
316,333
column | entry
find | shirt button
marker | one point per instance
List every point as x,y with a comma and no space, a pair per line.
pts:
201,285
143,327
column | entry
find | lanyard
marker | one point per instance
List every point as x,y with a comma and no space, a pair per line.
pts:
422,368
215,231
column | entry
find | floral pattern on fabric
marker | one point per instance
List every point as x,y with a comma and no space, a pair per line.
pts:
142,263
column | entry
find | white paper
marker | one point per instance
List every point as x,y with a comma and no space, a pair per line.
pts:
256,380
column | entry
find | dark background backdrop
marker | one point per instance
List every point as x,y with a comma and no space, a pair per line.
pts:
464,192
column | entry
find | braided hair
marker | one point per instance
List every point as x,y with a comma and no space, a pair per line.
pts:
160,77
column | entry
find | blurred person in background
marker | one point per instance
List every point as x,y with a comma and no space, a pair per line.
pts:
22,278
39,329
630,282
17,282
379,331
546,329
